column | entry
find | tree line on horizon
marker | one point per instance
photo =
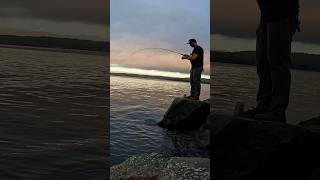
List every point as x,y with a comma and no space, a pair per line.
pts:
302,61
54,42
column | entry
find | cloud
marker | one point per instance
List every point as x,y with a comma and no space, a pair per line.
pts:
87,11
165,24
80,19
127,50
240,19
37,27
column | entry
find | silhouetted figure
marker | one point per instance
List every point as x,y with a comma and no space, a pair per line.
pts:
196,59
279,21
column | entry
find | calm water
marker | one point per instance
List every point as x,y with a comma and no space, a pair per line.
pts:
137,105
238,83
53,115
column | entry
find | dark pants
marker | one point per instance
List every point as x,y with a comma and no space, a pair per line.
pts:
273,51
195,82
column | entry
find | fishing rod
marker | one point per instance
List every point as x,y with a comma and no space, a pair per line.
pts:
163,49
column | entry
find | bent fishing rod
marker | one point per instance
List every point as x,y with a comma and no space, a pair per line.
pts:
163,49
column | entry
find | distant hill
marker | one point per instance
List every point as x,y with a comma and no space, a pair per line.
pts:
299,60
53,42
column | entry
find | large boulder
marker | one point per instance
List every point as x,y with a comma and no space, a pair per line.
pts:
185,114
157,167
245,149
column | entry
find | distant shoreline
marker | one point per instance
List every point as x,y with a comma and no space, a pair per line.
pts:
55,44
300,61
204,81
62,50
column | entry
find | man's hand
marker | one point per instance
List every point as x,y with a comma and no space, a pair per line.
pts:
185,56
191,57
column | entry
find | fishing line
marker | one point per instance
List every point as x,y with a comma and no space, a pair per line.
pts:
163,49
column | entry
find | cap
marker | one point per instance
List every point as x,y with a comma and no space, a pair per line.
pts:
191,41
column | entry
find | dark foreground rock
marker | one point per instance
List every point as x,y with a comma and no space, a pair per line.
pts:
157,167
185,114
244,149
312,124
202,135
316,175
191,118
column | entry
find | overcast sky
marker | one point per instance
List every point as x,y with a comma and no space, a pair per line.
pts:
84,19
234,24
168,24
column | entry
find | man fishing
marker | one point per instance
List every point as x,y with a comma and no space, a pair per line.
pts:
196,59
278,23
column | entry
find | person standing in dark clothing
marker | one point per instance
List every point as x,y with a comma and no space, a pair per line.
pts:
196,59
278,23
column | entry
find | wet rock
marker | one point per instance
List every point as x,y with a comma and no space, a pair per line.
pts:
249,149
195,143
157,167
185,114
192,144
202,136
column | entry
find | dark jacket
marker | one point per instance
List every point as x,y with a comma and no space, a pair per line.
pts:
272,10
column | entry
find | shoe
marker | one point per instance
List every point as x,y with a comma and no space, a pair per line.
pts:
192,98
250,113
272,116
195,98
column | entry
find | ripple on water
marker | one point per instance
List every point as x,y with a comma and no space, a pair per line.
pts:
238,83
53,116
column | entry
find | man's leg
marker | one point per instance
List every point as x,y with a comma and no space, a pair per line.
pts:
197,82
191,83
264,94
279,39
279,54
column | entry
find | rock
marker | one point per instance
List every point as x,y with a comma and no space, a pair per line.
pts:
187,169
142,167
312,124
192,144
316,175
249,149
202,136
157,167
185,114
238,109
195,143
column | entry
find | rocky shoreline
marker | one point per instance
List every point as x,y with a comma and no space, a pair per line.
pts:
242,149
182,115
155,166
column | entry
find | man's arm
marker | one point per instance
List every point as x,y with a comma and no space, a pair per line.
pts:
193,57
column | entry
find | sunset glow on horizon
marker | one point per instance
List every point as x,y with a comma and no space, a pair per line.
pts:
147,72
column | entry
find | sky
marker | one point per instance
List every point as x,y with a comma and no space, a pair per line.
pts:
82,19
234,23
136,24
